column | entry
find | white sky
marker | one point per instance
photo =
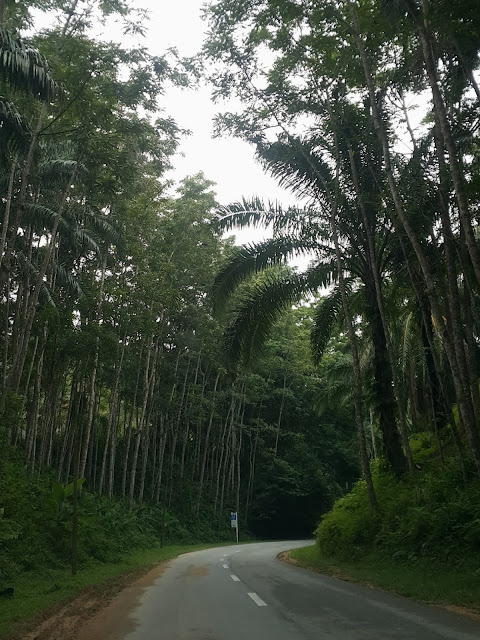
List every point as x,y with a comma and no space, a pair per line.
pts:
228,162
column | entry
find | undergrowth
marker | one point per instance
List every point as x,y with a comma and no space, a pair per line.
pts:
430,514
36,524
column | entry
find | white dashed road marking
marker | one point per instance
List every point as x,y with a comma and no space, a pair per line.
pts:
234,578
225,566
257,600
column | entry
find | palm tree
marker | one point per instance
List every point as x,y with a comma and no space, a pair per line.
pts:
299,166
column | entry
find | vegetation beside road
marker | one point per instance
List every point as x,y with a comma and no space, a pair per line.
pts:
423,541
424,581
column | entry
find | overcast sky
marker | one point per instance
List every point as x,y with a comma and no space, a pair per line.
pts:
228,162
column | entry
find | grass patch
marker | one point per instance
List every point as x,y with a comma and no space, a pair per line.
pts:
35,592
422,581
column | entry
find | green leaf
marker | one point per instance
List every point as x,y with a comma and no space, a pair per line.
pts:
58,492
69,487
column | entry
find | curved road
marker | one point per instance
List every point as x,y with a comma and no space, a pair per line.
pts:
244,593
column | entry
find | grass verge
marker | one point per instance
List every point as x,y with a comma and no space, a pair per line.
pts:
36,593
427,582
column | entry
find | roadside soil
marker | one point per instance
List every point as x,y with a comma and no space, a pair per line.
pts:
100,611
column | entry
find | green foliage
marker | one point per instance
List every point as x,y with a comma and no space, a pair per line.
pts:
428,514
427,580
35,525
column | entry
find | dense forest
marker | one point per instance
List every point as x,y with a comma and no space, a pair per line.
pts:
154,375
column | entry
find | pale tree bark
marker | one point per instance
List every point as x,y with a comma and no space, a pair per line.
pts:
279,420
190,400
128,428
253,454
114,403
148,380
31,440
5,258
162,440
175,432
206,445
222,450
93,375
8,204
455,304
425,35
17,366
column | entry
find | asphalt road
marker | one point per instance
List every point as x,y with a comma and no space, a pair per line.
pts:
245,593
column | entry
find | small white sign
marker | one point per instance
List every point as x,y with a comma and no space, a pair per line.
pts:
233,519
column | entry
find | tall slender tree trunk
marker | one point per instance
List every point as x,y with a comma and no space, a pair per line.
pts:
280,414
148,380
18,364
8,203
425,35
5,258
93,375
128,431
463,396
206,445
389,435
175,432
162,440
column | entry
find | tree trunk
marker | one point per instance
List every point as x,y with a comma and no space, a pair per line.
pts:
463,400
148,378
5,258
424,32
18,364
93,376
206,445
389,432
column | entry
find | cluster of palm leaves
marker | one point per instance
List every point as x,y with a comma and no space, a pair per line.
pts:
391,235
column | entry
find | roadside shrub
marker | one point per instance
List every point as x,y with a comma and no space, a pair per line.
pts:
429,514
350,526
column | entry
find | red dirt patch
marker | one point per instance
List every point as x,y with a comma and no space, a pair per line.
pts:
100,611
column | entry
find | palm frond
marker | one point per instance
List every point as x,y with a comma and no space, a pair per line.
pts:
14,132
256,213
324,319
102,226
57,169
250,259
24,68
39,216
67,279
83,239
258,310
320,275
45,297
298,166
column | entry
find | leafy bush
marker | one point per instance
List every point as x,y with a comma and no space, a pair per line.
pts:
430,514
36,524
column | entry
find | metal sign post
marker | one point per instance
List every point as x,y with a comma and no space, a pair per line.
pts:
234,521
